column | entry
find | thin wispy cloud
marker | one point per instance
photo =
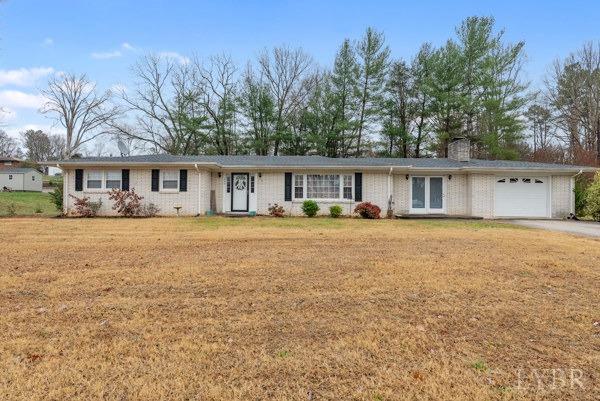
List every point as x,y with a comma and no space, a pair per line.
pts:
175,56
125,47
24,76
107,55
47,42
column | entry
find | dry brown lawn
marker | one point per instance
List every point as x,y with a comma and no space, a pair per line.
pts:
296,309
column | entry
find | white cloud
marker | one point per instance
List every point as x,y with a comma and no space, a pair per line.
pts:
128,46
106,55
18,99
24,76
175,56
47,42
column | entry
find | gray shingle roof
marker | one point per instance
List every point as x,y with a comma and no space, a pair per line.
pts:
16,170
322,161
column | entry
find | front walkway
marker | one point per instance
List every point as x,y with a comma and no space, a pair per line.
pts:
587,228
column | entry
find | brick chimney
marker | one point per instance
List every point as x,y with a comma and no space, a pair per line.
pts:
459,150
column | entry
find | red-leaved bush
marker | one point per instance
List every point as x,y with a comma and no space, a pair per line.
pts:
276,211
367,210
127,203
84,207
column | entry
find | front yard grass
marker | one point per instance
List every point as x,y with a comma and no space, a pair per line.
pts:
295,309
27,204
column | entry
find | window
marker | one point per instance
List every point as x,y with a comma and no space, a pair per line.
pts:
113,179
538,181
8,163
33,178
170,179
10,176
323,186
299,186
526,180
502,180
252,184
94,180
228,183
348,186
514,180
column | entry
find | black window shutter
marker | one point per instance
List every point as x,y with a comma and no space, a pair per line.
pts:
155,174
78,179
125,180
358,187
288,187
183,180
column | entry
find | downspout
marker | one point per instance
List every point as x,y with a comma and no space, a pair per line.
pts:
199,189
390,210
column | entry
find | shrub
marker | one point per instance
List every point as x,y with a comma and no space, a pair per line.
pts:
310,208
276,211
335,211
581,184
56,197
127,203
11,209
592,198
149,210
85,208
367,210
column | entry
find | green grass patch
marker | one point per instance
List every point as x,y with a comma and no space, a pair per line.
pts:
26,204
52,179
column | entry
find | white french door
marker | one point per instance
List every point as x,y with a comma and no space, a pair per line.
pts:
427,195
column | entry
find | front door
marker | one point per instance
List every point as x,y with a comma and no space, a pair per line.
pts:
239,192
427,195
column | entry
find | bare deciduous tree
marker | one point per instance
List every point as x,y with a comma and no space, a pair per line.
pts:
75,103
169,116
9,146
288,75
218,88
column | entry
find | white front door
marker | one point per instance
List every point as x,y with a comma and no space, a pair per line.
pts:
239,192
427,195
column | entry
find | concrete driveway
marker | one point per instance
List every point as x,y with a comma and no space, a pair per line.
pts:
586,228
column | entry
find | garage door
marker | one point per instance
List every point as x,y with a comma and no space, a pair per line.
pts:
521,197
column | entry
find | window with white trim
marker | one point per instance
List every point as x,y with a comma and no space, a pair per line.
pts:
33,178
169,179
347,186
113,179
10,176
94,179
299,186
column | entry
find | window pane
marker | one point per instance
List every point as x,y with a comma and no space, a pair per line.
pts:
347,193
170,179
94,179
347,187
110,184
436,186
418,192
323,186
298,186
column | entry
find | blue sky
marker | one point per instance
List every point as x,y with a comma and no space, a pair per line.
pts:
104,38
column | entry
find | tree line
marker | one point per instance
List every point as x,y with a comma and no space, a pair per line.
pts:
366,103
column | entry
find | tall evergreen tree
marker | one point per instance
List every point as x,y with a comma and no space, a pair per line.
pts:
373,57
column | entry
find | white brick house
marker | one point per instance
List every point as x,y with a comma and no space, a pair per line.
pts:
456,186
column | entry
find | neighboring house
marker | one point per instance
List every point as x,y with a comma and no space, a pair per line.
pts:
457,185
9,162
21,179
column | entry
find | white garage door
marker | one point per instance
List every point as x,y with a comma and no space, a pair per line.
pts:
521,197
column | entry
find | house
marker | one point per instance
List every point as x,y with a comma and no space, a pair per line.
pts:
9,162
457,185
21,179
